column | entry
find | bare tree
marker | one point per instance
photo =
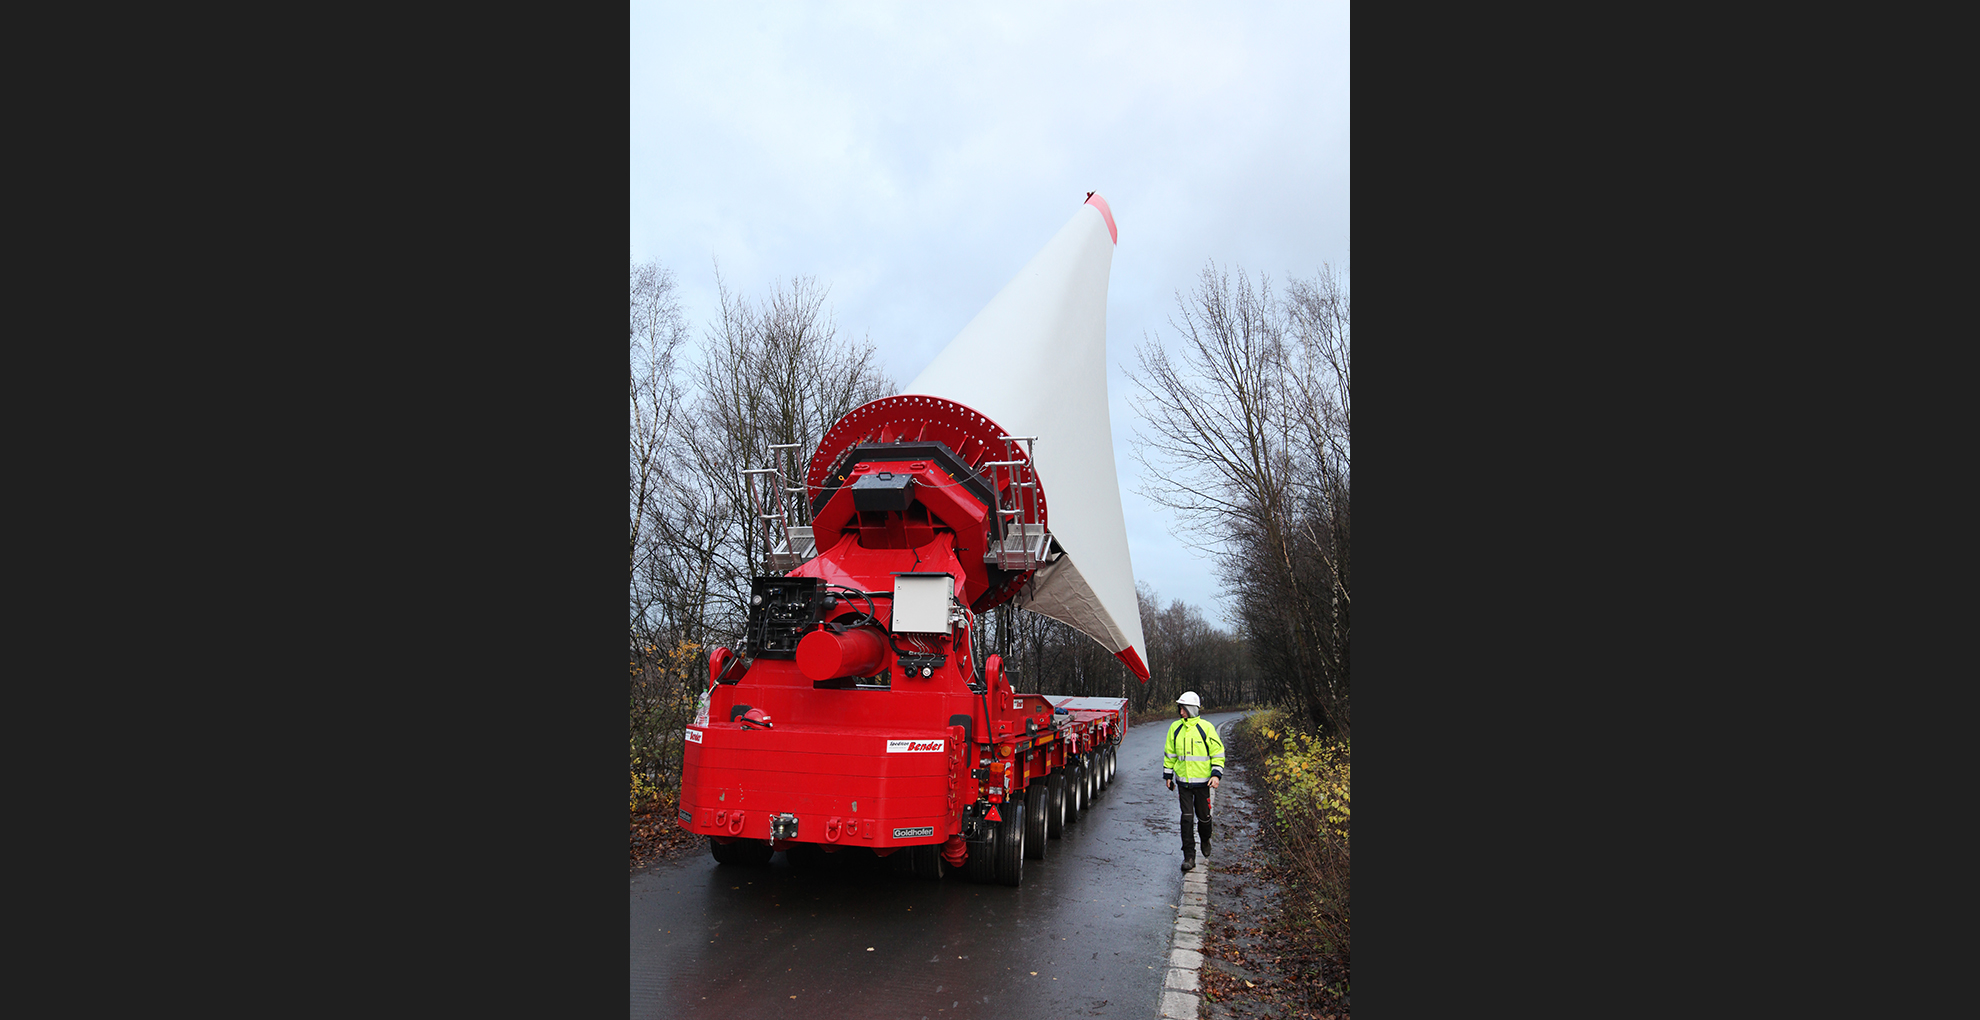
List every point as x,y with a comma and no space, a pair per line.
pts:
658,331
1245,433
663,628
768,372
772,373
1317,314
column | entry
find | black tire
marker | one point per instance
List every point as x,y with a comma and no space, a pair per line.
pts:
1075,792
1093,780
981,865
926,861
1010,844
1107,773
1037,805
746,853
1055,804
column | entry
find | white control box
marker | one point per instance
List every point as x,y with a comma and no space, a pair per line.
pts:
921,603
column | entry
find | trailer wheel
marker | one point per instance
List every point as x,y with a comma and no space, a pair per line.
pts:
1093,780
926,861
749,853
981,865
1036,801
1110,764
1055,804
1075,792
1010,844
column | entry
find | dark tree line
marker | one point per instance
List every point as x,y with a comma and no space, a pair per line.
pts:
768,371
1185,653
1188,653
1246,432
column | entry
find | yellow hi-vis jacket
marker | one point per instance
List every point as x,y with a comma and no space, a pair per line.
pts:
1193,753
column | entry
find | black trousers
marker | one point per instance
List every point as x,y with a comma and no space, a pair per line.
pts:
1195,802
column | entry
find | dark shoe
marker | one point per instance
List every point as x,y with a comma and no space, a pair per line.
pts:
1188,863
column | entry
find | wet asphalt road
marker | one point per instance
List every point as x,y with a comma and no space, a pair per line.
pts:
1093,919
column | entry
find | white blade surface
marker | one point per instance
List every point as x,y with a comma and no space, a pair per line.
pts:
1035,361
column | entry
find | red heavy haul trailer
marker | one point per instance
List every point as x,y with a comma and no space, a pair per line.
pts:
853,716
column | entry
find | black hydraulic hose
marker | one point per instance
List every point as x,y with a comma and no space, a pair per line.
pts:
873,613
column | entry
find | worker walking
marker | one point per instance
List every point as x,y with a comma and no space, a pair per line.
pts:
1193,765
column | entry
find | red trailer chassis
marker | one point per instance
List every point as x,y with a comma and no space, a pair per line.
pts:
853,715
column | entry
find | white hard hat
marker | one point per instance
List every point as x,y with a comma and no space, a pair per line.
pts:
1189,698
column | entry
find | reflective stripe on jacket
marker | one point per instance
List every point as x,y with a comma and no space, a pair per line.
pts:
1193,753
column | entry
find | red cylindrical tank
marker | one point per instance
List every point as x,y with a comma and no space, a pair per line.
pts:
824,655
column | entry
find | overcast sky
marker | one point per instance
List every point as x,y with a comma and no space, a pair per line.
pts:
913,157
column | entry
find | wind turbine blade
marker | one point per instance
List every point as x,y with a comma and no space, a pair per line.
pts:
1035,361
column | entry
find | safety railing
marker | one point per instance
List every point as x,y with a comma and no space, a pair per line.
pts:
786,545
1025,543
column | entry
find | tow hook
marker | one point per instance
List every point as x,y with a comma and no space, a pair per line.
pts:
972,824
783,826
